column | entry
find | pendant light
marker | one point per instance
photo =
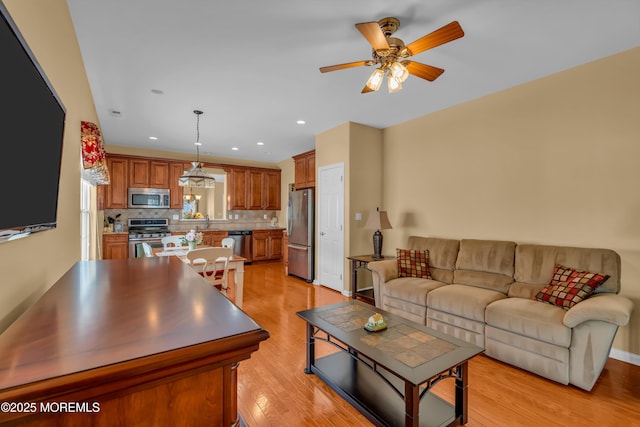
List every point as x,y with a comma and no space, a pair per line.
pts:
196,176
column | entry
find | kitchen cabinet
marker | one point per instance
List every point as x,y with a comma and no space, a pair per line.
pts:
305,170
267,245
264,189
237,188
176,169
213,238
115,246
115,194
148,173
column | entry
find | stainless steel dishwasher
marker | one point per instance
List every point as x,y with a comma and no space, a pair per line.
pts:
242,243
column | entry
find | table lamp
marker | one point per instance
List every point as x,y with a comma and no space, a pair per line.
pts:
378,220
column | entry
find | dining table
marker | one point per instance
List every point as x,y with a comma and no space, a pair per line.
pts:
236,264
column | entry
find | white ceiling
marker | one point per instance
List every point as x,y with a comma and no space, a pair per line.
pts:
252,66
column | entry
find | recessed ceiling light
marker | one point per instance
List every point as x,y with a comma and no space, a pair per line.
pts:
198,143
301,122
154,138
260,143
235,148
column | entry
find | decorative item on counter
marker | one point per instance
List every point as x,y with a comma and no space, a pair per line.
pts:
192,238
109,223
375,323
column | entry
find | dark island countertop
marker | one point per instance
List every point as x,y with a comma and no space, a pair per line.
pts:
107,328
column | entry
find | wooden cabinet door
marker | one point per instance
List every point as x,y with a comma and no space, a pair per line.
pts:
158,174
255,187
217,236
259,244
237,188
275,244
310,169
115,246
271,191
305,169
116,192
176,169
138,173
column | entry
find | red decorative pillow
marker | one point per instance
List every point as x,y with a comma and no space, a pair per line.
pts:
569,286
412,263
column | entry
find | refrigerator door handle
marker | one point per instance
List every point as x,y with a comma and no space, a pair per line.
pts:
289,216
299,247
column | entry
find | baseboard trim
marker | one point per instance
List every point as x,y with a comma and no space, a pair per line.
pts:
625,356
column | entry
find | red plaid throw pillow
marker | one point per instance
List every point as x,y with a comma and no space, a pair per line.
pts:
412,263
569,286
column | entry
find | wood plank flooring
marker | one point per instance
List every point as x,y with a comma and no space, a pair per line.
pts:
273,390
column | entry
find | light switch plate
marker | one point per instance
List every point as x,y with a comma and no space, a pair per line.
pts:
358,216
176,217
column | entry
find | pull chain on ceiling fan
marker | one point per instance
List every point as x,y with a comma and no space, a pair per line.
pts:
390,53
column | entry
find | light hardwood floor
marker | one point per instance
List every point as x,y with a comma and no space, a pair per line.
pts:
273,390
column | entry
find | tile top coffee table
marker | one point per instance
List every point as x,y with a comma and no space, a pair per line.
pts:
388,375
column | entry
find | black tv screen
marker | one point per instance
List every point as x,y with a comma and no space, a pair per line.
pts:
31,135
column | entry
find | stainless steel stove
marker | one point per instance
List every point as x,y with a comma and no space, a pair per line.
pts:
147,230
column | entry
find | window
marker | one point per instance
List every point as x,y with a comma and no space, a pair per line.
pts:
85,218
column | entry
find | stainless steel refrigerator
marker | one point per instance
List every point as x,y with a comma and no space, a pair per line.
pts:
300,227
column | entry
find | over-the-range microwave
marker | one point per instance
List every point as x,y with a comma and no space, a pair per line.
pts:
148,198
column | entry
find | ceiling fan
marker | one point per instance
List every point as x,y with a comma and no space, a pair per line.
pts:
390,53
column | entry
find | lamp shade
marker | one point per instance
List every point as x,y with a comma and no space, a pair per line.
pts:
378,220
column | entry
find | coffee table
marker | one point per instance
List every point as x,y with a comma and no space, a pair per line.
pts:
388,375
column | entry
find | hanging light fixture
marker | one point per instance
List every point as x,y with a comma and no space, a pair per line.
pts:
196,176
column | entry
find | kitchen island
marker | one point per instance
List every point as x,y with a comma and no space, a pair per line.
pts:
141,342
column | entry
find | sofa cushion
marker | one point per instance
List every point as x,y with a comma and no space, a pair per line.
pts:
413,263
442,255
534,264
569,286
533,319
463,301
411,289
486,264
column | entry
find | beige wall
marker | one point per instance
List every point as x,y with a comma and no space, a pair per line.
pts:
553,161
30,266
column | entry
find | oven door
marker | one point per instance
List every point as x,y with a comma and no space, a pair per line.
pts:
135,246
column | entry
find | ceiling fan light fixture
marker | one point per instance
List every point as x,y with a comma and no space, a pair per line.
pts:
399,71
375,80
393,84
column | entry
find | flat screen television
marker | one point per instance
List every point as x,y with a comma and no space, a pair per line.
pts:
32,121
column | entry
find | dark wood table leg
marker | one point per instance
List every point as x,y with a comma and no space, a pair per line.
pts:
311,349
354,279
462,385
412,405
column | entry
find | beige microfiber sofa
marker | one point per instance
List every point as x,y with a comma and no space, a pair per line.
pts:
482,291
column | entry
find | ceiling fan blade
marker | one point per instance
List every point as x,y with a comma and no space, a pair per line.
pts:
440,36
374,35
423,71
342,66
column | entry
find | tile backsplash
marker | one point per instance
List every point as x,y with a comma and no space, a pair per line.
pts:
245,219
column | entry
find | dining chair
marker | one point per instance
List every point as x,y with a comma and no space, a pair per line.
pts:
206,261
228,242
172,241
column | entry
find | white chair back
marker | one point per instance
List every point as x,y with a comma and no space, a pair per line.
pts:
172,241
213,265
228,242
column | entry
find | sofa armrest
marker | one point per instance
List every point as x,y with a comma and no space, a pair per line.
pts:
382,272
610,308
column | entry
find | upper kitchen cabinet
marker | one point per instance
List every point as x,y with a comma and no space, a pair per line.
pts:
305,170
148,173
115,194
264,189
176,169
237,188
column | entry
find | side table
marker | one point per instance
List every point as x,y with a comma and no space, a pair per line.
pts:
359,261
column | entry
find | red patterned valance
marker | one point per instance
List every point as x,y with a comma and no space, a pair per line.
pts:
93,154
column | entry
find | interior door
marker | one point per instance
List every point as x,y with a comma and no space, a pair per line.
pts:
331,226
